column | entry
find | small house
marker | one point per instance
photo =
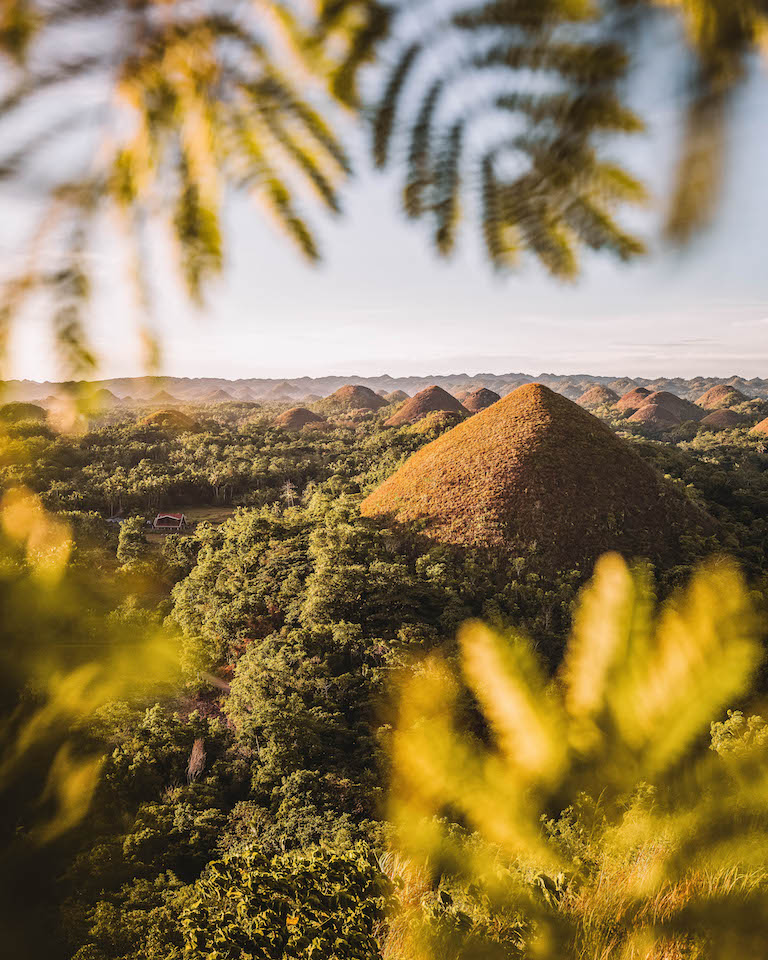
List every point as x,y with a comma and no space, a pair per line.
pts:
171,522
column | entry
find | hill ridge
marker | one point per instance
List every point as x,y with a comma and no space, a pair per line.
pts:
536,471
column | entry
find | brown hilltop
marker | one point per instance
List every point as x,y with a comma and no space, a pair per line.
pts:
297,418
397,396
217,396
281,391
722,420
170,420
655,415
480,399
723,395
682,409
351,397
761,429
598,396
633,400
424,402
104,399
536,470
162,396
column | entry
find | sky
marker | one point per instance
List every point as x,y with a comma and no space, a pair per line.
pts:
382,302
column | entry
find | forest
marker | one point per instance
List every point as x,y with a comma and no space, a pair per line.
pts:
240,801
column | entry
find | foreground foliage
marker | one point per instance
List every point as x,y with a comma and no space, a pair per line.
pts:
587,813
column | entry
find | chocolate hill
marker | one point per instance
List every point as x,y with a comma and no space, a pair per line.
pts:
480,399
218,396
162,396
397,396
297,418
537,471
682,409
170,420
281,391
633,400
598,396
105,399
720,396
722,420
761,429
349,398
16,411
425,401
655,415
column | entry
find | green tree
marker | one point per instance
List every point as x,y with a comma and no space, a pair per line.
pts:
131,544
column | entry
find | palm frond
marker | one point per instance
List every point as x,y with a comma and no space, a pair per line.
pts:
177,83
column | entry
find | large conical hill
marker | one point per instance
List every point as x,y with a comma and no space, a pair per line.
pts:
598,396
722,420
480,399
537,472
424,402
348,398
633,400
297,418
680,408
170,420
720,396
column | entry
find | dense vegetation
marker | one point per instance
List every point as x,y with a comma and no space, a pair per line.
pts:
260,772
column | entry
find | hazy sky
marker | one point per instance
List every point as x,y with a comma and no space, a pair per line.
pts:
383,303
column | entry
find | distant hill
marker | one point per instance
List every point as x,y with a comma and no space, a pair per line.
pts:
105,399
633,399
425,401
283,391
351,397
655,414
15,412
537,472
218,396
480,399
396,396
163,397
171,420
568,389
197,389
682,409
723,395
598,396
297,418
722,420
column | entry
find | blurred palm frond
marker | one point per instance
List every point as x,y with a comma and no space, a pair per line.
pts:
155,111
585,815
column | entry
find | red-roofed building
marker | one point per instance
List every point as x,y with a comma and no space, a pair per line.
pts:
170,521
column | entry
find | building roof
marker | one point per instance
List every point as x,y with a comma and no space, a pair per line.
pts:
170,516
